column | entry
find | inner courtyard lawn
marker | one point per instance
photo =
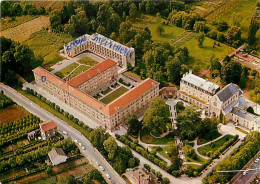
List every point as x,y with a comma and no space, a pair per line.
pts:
68,69
79,70
215,145
146,137
88,61
201,55
114,95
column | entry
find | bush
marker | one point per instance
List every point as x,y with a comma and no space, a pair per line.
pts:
148,167
165,180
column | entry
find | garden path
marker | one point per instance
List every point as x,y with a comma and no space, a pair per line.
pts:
198,146
196,149
192,163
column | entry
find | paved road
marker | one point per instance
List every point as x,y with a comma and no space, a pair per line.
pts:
90,152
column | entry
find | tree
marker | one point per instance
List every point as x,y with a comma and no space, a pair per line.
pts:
101,30
231,72
67,180
200,26
55,19
159,29
222,26
234,36
149,7
179,106
49,171
17,9
156,116
97,138
110,145
131,163
215,64
114,23
200,38
134,125
133,11
174,71
165,180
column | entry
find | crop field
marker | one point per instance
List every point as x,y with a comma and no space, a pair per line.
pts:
201,55
23,31
47,45
12,113
8,22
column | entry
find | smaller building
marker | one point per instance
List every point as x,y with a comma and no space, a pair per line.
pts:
48,129
142,176
57,156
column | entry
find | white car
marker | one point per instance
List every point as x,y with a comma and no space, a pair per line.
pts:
83,147
80,144
97,163
64,132
76,141
244,173
108,176
256,160
102,168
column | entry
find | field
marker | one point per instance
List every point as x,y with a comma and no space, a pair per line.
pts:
171,32
47,45
65,71
202,54
8,22
12,113
215,145
88,61
79,70
241,14
23,31
114,95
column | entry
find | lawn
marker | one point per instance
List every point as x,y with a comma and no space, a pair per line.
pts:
215,145
201,55
80,69
192,166
241,13
88,61
47,45
163,150
114,95
203,140
197,158
147,138
67,70
12,113
9,22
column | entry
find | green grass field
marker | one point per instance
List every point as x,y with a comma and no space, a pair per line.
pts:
201,55
147,138
79,70
8,22
114,95
242,13
197,158
215,145
163,150
68,69
88,61
47,45
202,140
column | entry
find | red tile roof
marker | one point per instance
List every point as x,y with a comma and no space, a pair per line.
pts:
92,72
46,126
131,95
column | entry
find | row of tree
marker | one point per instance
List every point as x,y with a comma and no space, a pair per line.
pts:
236,160
5,101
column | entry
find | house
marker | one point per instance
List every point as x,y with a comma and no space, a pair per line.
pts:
48,129
142,176
57,156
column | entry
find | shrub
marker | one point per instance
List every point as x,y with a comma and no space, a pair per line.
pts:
147,166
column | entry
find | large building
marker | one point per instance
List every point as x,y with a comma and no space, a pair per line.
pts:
227,101
111,115
103,47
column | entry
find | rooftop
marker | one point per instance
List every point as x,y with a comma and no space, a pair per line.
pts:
244,114
92,72
227,92
56,152
46,126
200,82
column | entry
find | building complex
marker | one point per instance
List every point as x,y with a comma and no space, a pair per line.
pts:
77,93
227,101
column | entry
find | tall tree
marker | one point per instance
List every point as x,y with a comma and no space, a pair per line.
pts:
174,71
234,36
231,72
200,38
134,125
110,145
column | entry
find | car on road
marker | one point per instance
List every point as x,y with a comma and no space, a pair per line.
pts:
256,160
64,132
108,176
80,144
97,163
245,172
83,147
101,167
76,141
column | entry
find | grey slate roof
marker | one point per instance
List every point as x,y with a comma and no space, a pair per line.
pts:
243,114
227,92
230,106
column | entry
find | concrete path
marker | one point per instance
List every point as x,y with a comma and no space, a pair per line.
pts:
196,149
192,163
198,146
182,38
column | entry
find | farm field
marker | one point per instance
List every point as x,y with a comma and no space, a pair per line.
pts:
114,95
12,113
8,22
23,31
88,61
203,54
47,45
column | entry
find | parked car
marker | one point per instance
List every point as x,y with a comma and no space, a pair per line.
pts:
76,141
97,163
64,132
256,160
102,168
83,147
108,176
80,144
244,173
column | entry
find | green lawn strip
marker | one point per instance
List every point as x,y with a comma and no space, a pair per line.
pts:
163,150
79,70
241,130
215,145
54,112
192,166
88,61
47,44
197,158
107,91
134,74
114,95
65,71
147,138
202,140
200,55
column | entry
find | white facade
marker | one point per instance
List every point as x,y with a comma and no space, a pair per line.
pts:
103,47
